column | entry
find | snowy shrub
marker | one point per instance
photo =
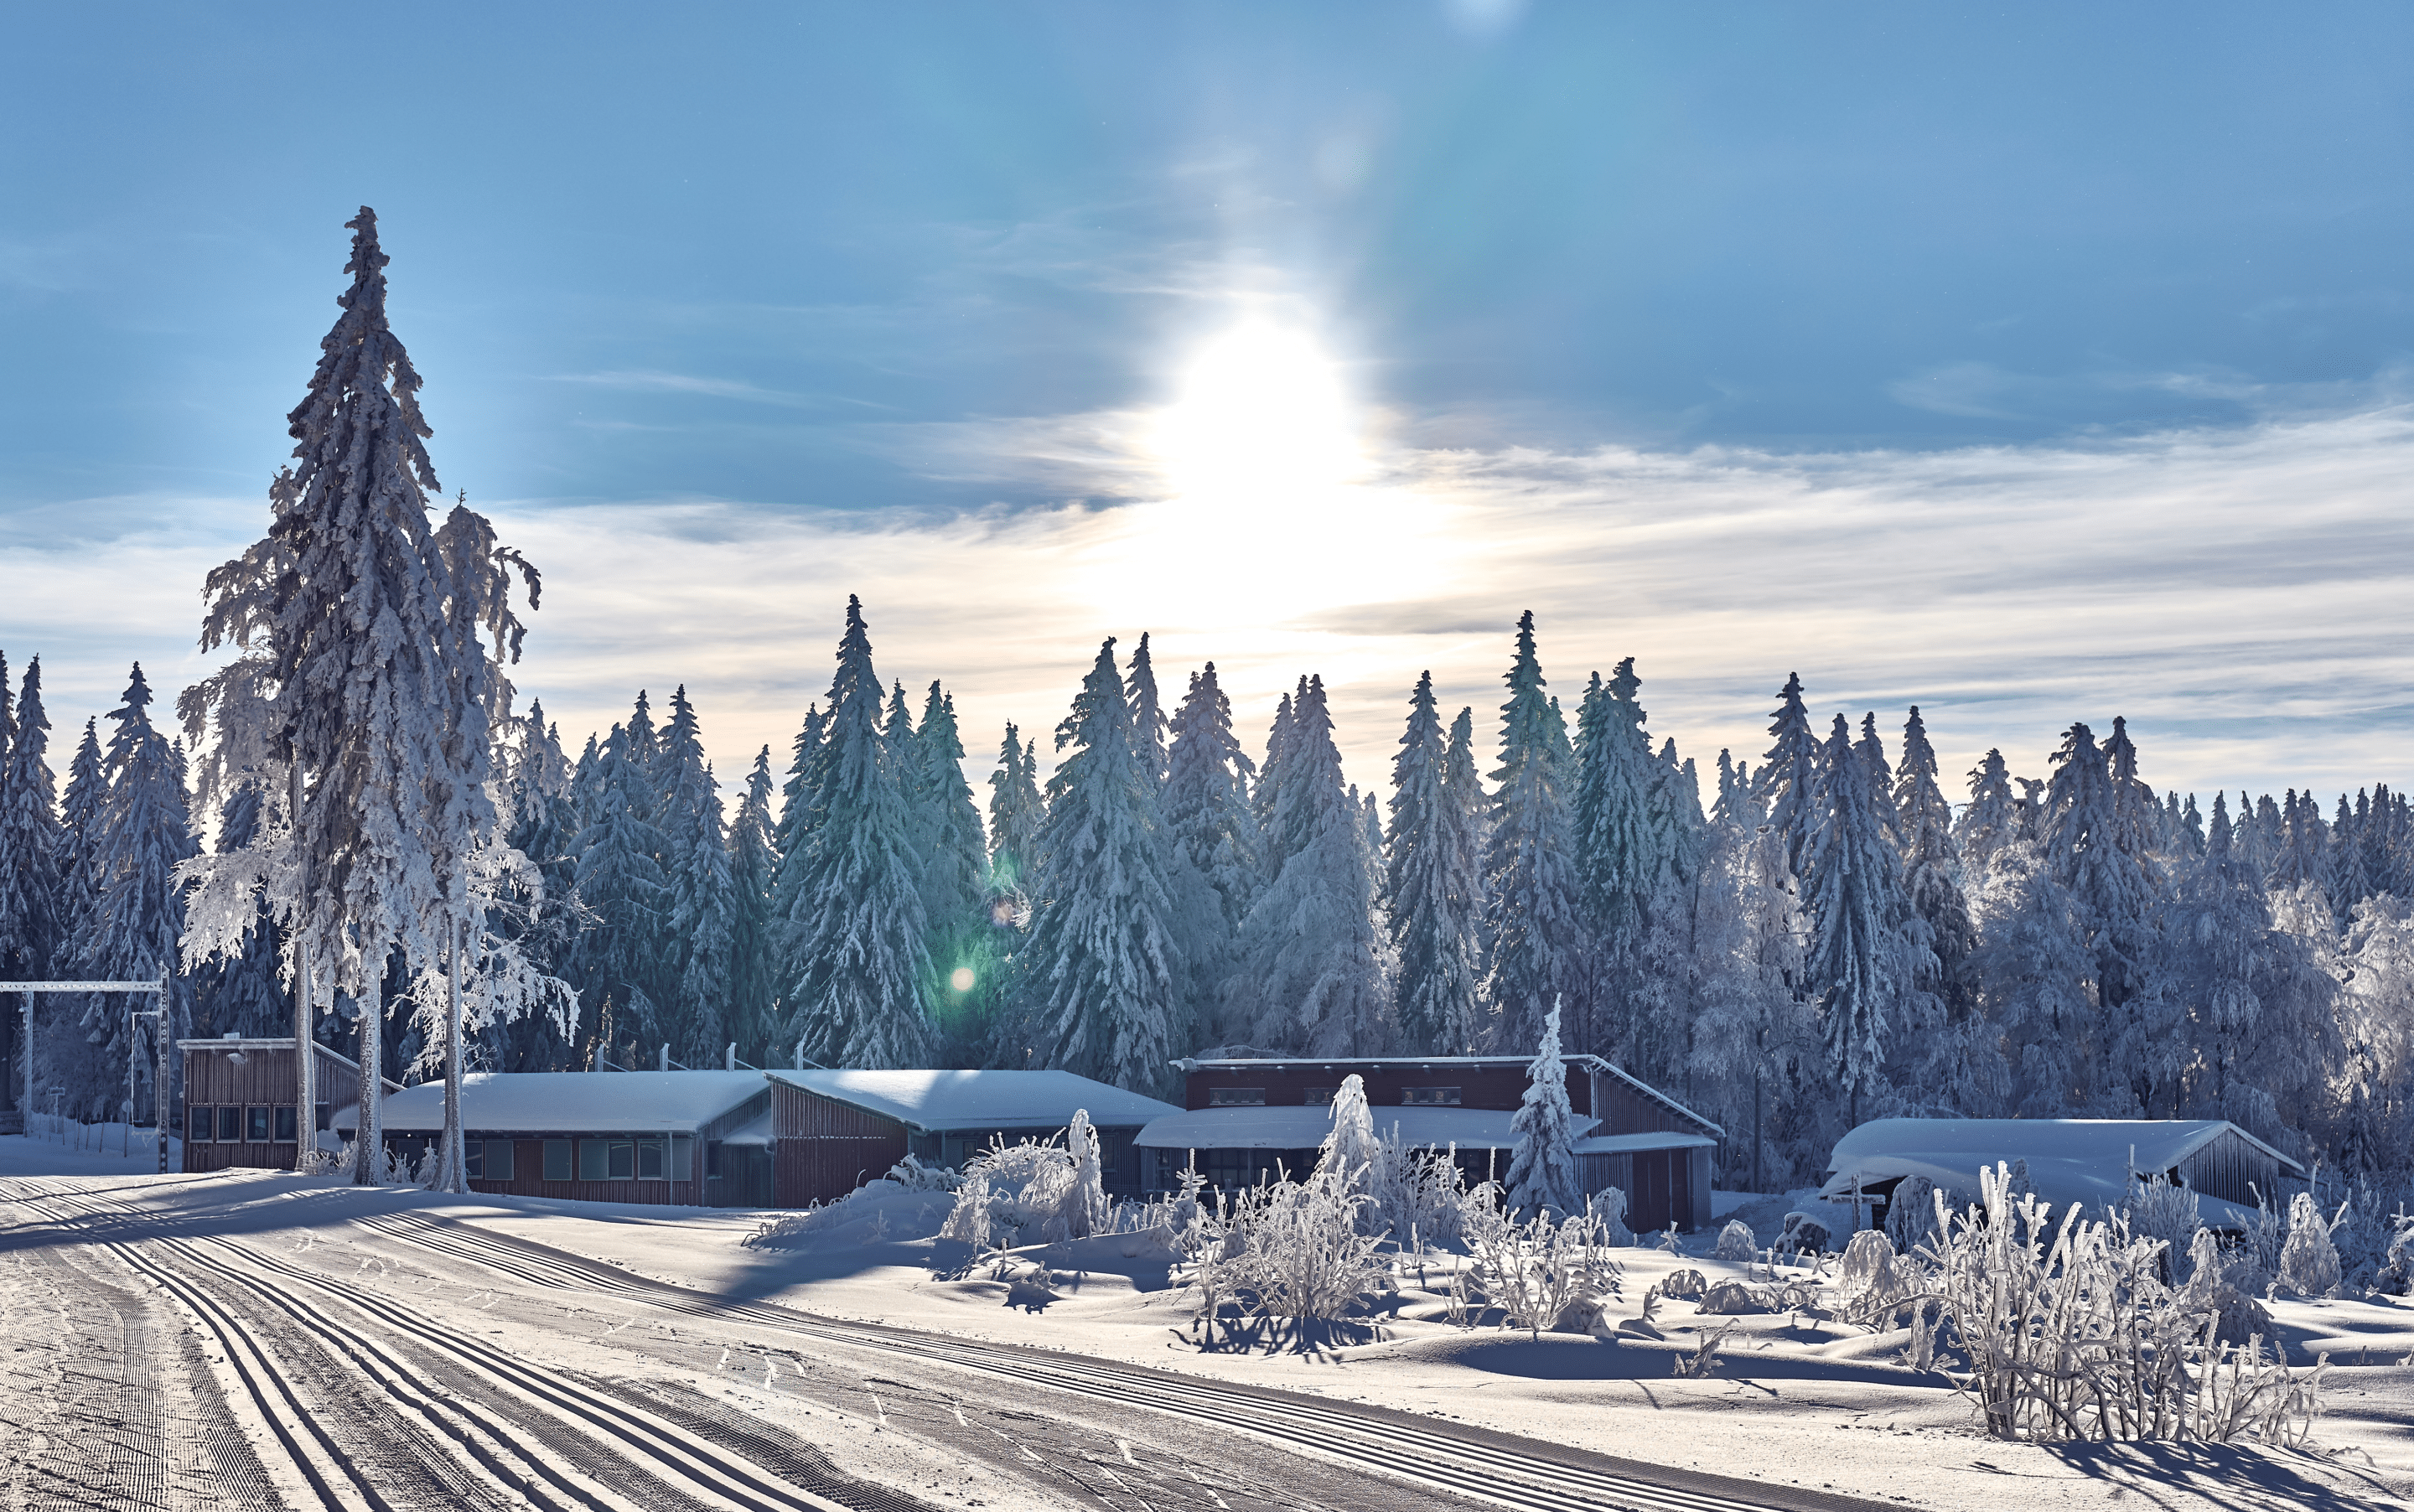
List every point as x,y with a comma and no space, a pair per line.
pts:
1731,1298
1804,1233
1291,1251
1542,1273
1737,1242
1871,1282
1034,1190
968,1219
2071,1333
912,1175
2362,1229
1608,1204
1911,1213
1417,1191
1684,1281
1082,1209
2397,1264
1352,1153
2309,1262
2159,1210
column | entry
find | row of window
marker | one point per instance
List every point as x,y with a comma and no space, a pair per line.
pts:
249,1125
1323,1096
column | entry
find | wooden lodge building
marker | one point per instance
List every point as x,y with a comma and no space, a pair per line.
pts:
1246,1118
239,1101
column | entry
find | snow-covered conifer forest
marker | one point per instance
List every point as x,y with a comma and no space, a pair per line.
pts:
1794,939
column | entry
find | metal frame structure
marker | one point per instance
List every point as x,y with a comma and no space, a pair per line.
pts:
159,1085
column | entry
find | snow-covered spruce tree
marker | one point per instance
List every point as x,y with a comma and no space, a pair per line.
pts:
1618,856
542,919
144,833
954,877
1993,818
1311,979
1788,783
33,933
80,821
753,955
1543,1169
1932,861
1016,813
1150,732
1433,891
1859,963
1531,928
1267,790
1096,984
243,992
385,695
1216,875
2095,841
702,901
619,880
797,815
860,962
1353,1156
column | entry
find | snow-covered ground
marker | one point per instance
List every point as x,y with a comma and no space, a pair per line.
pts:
1794,1403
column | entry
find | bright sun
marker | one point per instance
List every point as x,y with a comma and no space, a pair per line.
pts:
1262,421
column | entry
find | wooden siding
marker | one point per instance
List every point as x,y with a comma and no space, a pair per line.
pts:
528,1178
1661,1186
1623,1110
826,1148
2232,1169
1287,1082
265,1078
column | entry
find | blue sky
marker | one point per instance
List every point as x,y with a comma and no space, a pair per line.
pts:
1722,335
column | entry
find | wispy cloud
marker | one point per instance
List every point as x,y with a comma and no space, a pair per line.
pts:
2239,593
649,380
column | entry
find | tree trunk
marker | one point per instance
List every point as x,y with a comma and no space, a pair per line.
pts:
368,1138
452,1176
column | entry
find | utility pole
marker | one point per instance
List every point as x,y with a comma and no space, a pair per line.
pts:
160,1087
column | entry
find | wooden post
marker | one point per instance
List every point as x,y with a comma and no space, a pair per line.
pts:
159,1085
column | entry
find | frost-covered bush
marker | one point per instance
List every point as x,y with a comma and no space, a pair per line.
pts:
1804,1234
2160,1210
2362,1228
2309,1262
2071,1333
1353,1152
913,1176
1540,1273
1608,1205
1911,1213
2397,1262
1684,1281
1871,1282
1035,1191
1737,1242
1419,1192
1291,1250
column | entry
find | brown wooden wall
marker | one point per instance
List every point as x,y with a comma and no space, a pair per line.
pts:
218,1157
2232,1169
826,1148
1623,1110
1661,1186
1287,1082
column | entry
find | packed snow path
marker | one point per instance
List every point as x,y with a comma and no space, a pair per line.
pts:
423,1366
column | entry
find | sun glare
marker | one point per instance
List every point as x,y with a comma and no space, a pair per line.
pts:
1270,509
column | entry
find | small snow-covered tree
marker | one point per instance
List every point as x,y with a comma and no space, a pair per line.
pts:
1542,1169
1351,1151
1788,784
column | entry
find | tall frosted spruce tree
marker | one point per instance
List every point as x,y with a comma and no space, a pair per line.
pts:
1096,986
862,964
1312,977
1859,962
1531,929
1216,874
622,968
1016,812
1433,887
33,930
754,954
385,687
701,893
953,869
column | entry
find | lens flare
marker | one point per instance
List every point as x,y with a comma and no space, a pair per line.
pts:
962,980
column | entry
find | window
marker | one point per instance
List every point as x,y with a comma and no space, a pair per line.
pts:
1236,1097
255,1125
712,1160
284,1124
322,1116
1430,1097
649,1159
557,1159
230,1124
203,1122
624,1160
497,1160
595,1160
1322,1096
682,1165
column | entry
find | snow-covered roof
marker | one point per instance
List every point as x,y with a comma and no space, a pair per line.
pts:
1305,1128
2085,1161
572,1102
942,1101
1255,1062
1628,1144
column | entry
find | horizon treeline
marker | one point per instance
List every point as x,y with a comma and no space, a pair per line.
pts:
1790,947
